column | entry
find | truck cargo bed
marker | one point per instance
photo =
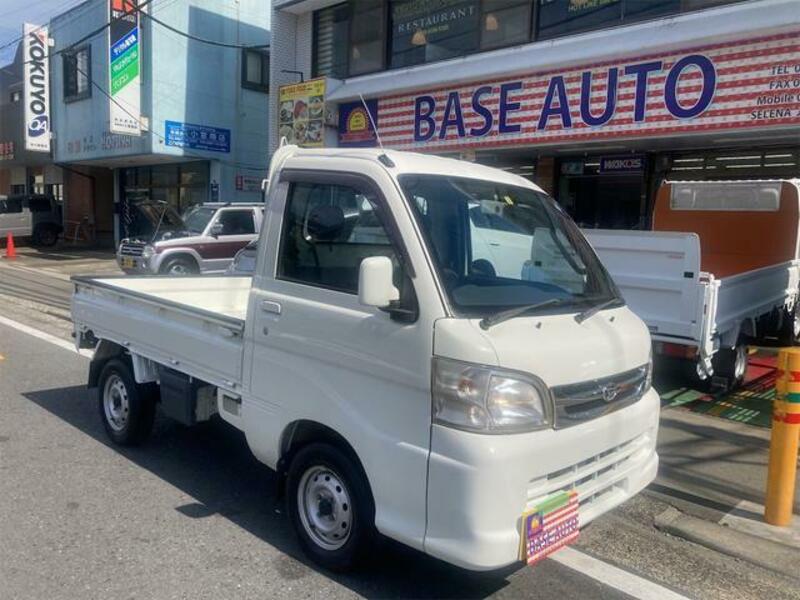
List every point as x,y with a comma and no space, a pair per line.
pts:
192,324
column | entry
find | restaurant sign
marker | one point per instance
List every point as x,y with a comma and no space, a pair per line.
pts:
753,83
301,113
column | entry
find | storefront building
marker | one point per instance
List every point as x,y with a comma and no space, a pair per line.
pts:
598,101
147,111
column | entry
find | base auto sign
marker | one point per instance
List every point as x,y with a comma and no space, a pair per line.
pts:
727,86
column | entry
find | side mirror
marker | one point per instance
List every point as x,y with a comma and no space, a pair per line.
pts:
375,285
216,229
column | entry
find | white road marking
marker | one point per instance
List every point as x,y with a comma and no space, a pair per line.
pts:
44,336
612,576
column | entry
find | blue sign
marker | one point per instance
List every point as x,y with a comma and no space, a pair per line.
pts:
626,163
199,137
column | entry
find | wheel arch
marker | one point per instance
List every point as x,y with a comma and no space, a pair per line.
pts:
303,432
186,253
105,351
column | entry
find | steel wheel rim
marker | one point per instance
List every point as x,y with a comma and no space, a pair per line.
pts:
116,404
178,269
740,367
326,511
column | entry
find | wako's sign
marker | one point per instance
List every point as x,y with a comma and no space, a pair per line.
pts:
124,66
753,83
35,51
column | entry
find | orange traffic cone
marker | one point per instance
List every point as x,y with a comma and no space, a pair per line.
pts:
11,251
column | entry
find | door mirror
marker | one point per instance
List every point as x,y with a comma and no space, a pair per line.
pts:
216,229
375,285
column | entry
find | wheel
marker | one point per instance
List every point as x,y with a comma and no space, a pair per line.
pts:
45,236
127,409
330,506
731,364
179,266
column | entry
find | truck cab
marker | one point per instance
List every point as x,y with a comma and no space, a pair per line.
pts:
397,378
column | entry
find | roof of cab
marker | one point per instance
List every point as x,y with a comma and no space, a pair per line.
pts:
418,163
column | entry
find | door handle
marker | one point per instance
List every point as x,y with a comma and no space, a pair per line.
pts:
269,306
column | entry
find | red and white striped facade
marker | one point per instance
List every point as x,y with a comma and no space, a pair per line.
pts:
756,84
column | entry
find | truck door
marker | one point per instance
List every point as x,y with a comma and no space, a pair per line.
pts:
15,217
318,354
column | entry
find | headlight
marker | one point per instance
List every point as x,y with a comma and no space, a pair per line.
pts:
488,400
147,252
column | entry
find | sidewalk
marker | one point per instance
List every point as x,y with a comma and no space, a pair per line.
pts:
63,261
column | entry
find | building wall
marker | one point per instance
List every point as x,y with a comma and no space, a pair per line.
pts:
181,80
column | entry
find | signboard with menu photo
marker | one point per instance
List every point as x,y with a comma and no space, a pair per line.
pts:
301,113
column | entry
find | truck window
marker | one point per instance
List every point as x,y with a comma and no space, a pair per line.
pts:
328,230
11,205
237,222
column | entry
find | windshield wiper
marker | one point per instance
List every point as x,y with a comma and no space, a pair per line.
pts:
505,315
592,310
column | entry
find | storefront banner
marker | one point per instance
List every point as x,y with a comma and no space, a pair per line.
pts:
355,124
199,137
35,51
124,66
302,112
752,83
627,163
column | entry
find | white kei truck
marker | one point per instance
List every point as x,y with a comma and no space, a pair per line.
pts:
374,360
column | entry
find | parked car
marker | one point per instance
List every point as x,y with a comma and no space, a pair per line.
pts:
244,263
33,216
395,387
204,240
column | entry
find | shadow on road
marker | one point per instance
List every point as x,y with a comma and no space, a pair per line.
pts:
211,463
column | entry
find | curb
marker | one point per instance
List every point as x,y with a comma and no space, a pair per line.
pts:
753,549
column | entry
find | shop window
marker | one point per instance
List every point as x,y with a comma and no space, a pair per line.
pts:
505,22
429,30
77,74
367,37
562,17
648,9
255,70
330,41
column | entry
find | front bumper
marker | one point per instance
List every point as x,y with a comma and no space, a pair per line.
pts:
479,485
136,265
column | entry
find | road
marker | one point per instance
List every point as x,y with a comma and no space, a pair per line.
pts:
192,514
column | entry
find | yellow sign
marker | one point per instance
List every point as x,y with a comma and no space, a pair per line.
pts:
301,113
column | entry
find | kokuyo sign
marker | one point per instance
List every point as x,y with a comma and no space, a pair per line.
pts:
733,85
35,50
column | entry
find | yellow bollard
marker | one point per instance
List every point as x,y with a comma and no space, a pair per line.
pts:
783,445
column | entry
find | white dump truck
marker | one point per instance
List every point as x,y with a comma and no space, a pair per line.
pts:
719,270
384,368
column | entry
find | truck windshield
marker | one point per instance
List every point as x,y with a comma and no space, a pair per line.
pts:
499,246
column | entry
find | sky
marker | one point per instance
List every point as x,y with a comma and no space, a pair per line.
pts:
13,13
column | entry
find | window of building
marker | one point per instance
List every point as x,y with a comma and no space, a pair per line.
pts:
328,230
505,22
429,30
331,29
255,70
77,74
562,17
367,37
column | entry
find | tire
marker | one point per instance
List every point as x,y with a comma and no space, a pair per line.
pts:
45,236
731,365
179,266
331,507
127,409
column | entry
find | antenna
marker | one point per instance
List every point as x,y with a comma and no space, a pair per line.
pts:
369,116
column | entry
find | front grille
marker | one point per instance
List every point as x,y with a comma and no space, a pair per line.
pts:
580,402
131,249
593,478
